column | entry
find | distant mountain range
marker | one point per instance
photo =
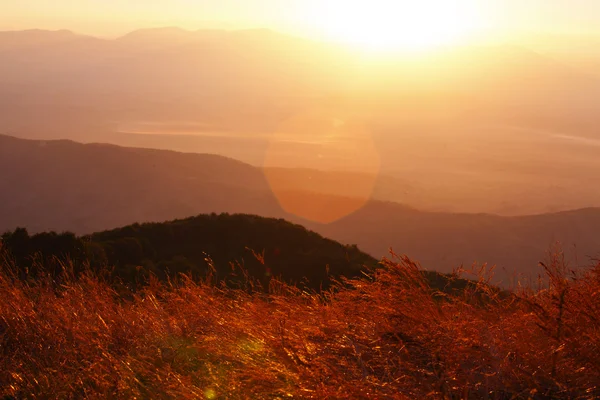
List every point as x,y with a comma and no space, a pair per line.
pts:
495,129
84,87
248,80
62,185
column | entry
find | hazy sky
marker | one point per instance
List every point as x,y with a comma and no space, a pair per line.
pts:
114,17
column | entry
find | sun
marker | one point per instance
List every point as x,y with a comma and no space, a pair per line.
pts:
396,25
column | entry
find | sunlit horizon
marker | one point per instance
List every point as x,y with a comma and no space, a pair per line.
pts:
375,26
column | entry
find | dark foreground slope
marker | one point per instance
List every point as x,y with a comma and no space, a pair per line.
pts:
262,247
225,246
235,249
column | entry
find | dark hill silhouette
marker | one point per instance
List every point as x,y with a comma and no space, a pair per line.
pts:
236,249
234,245
288,250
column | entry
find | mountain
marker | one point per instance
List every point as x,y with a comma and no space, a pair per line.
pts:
249,80
219,78
62,185
488,129
237,249
444,241
66,186
159,37
581,51
232,245
34,38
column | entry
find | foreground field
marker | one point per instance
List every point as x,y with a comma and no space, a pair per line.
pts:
388,336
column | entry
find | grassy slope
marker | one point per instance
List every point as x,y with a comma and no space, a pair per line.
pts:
383,338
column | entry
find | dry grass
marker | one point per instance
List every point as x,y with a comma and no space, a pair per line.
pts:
386,337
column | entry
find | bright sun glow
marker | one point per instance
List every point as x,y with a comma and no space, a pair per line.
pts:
392,25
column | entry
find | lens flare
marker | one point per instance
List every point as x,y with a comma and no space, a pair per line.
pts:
210,394
322,165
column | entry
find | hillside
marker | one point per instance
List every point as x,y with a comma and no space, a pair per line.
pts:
263,247
66,186
384,337
234,245
62,185
443,241
233,249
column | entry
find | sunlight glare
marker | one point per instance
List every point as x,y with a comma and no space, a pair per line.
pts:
399,25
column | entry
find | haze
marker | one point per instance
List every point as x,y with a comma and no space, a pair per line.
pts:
311,18
458,107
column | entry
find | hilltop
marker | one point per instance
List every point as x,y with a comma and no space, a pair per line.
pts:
233,249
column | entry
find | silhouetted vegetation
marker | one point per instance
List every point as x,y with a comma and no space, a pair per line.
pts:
230,248
232,244
47,249
226,246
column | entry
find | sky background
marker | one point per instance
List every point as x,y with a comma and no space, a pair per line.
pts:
116,17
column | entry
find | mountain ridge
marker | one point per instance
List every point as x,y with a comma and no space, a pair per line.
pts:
86,189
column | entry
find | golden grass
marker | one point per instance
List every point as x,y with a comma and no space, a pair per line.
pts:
385,337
